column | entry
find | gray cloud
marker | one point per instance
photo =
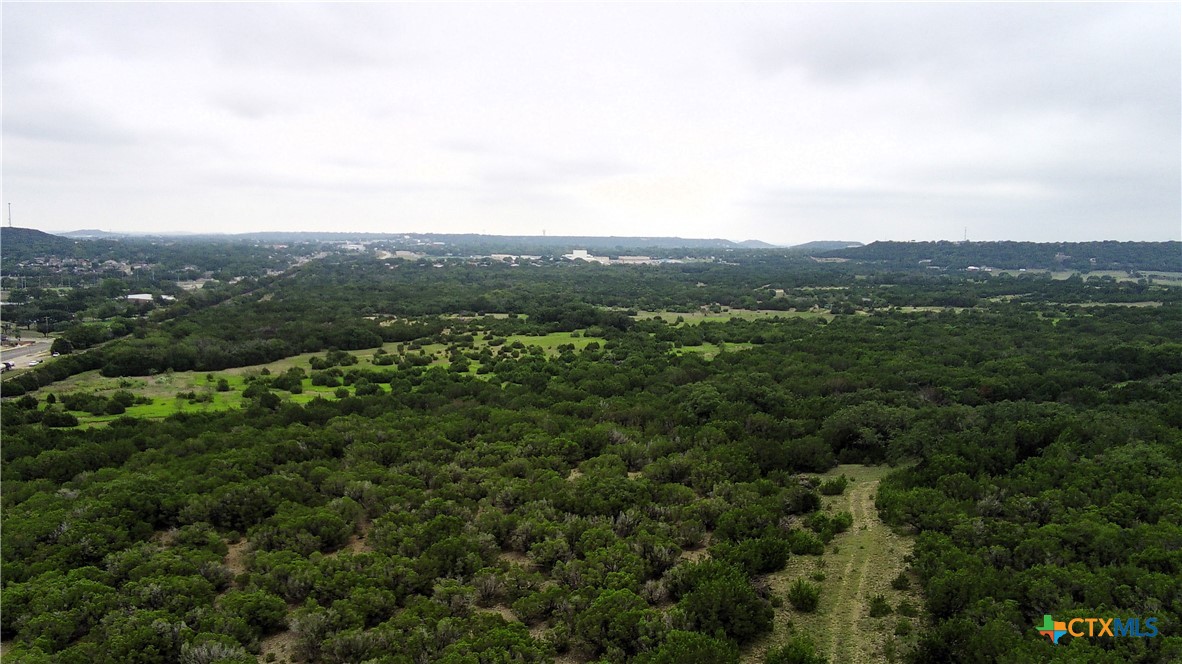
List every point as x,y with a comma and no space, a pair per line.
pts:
785,122
66,126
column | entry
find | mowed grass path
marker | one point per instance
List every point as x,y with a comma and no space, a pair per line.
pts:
857,565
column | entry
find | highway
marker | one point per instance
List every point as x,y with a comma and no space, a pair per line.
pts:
26,352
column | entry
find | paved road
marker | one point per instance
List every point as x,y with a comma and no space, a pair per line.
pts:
23,354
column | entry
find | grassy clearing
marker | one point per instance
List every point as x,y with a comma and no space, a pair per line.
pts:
710,351
163,389
696,317
169,403
552,341
1164,278
929,309
1106,304
857,565
1158,277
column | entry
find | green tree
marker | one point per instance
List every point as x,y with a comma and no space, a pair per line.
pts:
681,647
618,622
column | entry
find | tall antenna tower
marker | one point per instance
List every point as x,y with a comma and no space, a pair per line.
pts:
10,215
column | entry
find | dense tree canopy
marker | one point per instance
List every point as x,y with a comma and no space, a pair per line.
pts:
466,495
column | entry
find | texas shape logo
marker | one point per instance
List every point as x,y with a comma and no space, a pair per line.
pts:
1051,628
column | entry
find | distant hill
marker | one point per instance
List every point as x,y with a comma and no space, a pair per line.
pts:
92,234
1081,256
22,244
824,245
756,244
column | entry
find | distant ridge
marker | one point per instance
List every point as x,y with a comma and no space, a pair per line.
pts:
825,245
92,234
470,240
756,244
562,242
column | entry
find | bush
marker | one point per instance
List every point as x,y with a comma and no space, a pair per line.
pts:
804,596
835,486
803,542
754,556
692,648
123,398
264,612
56,418
718,596
879,606
802,501
842,522
615,622
365,388
826,526
799,650
901,582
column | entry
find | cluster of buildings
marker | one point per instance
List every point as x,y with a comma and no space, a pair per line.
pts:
584,255
83,265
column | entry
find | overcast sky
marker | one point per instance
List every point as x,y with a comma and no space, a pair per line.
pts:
780,122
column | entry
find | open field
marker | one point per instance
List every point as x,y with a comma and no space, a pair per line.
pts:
551,342
1164,278
696,317
1110,304
857,565
165,389
911,310
1158,277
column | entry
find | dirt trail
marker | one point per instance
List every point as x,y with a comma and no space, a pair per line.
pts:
235,559
282,645
844,640
857,565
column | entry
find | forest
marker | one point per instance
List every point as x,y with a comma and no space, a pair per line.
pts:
462,460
